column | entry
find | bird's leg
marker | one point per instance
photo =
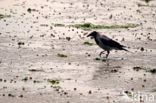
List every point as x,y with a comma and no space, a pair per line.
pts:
101,53
107,54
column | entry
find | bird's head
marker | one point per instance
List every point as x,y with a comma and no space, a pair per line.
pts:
92,34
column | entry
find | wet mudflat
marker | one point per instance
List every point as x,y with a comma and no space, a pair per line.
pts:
45,59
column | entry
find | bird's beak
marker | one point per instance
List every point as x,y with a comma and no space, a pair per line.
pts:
88,35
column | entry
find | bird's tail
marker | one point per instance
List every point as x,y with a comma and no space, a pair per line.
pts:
126,50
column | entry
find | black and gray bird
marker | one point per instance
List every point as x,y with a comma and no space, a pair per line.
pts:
106,43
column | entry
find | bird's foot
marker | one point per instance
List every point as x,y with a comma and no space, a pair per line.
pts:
100,55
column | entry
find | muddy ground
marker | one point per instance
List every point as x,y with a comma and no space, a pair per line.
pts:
30,43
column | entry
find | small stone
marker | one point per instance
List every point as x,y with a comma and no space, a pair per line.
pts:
90,92
21,96
75,89
142,49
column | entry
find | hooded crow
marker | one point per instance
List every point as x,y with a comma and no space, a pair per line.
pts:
106,43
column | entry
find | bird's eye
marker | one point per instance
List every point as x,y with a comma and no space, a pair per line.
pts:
92,37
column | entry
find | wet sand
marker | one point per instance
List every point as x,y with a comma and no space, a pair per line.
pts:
81,77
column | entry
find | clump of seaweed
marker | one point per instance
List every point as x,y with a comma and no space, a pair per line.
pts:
154,90
153,71
137,68
113,70
32,10
147,1
90,26
4,16
52,81
88,43
35,70
97,58
60,25
25,79
61,55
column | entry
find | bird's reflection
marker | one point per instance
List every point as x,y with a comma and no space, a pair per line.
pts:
108,64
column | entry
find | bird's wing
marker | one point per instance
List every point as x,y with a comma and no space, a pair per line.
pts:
111,43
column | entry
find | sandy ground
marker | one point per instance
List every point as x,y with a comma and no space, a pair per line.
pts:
82,79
